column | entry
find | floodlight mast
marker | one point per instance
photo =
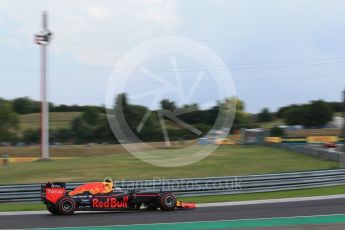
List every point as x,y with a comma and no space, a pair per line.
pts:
43,39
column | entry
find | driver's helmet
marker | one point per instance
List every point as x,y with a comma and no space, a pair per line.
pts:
108,183
108,179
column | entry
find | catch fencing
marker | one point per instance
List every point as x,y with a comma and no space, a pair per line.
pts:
310,150
200,186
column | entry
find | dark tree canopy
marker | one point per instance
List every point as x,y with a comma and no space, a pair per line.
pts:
25,105
90,115
8,121
264,116
315,114
168,105
277,132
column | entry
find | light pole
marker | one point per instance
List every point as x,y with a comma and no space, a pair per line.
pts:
43,38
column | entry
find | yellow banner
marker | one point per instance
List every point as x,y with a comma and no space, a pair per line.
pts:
30,159
322,139
273,139
301,139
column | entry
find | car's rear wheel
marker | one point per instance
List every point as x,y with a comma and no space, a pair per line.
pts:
66,206
167,202
52,209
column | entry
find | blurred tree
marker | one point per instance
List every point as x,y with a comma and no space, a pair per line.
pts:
315,114
31,136
242,119
90,115
25,105
264,116
282,110
121,100
103,131
63,135
318,113
168,105
277,132
295,115
336,106
80,130
8,121
192,107
240,106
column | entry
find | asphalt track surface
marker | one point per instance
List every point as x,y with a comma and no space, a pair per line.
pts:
252,211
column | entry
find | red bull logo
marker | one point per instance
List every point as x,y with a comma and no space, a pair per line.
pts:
93,188
110,203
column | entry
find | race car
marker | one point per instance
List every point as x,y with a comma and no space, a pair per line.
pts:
100,196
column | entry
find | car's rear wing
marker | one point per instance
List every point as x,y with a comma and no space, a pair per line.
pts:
52,191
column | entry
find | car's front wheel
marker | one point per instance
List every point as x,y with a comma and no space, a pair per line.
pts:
167,202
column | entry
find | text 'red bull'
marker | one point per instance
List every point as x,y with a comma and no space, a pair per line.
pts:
110,203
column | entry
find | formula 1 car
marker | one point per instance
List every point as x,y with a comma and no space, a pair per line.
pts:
98,197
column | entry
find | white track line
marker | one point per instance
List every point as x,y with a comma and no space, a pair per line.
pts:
219,204
191,222
281,200
20,213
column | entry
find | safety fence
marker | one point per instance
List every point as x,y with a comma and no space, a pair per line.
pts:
200,186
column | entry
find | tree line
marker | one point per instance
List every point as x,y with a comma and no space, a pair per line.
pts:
315,114
92,124
25,105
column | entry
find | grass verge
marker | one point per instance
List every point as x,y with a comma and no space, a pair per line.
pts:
57,120
226,160
332,190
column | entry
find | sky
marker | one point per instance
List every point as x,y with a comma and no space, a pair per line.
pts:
278,52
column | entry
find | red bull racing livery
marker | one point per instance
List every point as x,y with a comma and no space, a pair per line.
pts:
100,196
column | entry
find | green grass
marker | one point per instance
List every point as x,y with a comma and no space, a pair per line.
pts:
63,151
56,120
9,207
334,190
225,161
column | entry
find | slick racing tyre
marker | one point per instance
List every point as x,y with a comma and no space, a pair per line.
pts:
167,202
66,206
52,209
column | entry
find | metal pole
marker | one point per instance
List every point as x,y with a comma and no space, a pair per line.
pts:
44,103
43,39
